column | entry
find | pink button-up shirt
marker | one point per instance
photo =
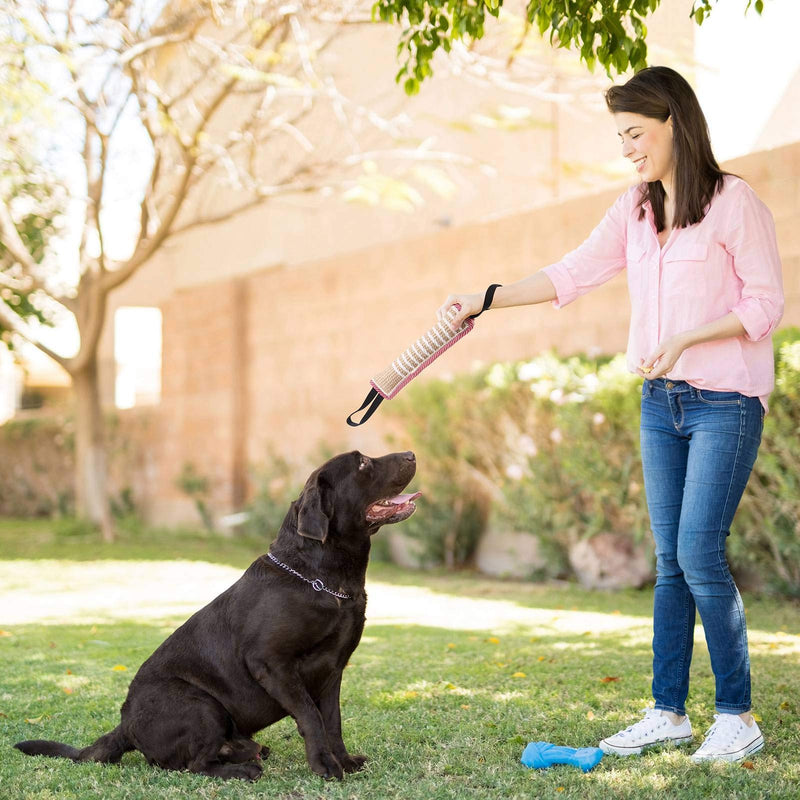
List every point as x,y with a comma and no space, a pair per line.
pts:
726,262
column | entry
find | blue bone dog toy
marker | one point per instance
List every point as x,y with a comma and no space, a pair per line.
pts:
540,755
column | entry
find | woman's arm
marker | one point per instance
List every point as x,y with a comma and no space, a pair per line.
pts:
664,357
752,242
596,261
536,288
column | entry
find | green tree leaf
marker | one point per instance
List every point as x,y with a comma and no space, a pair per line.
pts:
610,32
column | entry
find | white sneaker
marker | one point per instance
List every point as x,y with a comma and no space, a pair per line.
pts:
655,728
729,739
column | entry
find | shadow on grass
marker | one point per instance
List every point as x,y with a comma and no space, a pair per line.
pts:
75,541
79,541
764,612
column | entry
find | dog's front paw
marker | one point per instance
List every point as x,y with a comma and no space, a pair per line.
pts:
327,765
244,772
253,771
353,763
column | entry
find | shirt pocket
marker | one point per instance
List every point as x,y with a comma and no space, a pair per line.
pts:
687,252
635,263
684,271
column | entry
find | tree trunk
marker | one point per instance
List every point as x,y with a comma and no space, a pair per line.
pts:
91,476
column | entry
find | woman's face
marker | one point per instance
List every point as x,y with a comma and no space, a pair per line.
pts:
647,142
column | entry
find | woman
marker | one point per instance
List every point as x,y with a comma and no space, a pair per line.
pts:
704,278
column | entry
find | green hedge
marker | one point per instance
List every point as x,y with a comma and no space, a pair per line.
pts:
551,446
37,466
768,522
37,455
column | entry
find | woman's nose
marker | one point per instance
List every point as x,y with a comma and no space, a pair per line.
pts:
627,149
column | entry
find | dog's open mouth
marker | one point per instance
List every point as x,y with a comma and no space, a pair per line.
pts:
393,509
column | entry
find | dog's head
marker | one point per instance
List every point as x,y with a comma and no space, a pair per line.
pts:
353,493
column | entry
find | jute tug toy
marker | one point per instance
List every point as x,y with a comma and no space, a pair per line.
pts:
441,337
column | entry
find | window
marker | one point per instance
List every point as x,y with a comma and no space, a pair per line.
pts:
137,355
9,385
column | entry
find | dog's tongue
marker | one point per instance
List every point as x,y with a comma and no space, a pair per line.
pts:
403,498
391,506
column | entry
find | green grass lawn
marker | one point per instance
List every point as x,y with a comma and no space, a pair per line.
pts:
454,675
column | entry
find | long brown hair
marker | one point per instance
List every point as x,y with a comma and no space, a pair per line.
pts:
661,93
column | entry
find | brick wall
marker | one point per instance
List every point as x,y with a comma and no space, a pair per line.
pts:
276,359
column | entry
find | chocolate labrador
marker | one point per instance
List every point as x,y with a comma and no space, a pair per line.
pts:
274,644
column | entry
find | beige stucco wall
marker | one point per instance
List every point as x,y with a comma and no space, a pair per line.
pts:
275,360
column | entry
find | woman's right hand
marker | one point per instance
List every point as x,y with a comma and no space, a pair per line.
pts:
470,304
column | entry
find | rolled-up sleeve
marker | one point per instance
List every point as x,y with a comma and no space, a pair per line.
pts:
597,260
756,262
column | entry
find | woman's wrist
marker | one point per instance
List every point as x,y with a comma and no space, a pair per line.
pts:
726,327
536,288
685,340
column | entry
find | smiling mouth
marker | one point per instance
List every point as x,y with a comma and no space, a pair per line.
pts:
393,509
640,163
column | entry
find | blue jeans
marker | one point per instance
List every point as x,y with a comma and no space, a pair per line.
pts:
698,449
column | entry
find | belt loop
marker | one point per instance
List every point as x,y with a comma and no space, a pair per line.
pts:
648,388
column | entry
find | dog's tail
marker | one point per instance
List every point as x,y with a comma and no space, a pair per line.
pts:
108,749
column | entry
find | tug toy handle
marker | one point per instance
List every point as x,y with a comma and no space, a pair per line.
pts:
420,355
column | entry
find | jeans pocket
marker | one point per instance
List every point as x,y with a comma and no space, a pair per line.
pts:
713,398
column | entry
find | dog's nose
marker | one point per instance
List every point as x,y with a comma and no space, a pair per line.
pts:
409,456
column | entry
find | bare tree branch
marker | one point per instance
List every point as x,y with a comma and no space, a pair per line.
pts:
16,326
13,243
291,187
86,228
10,238
12,283
142,48
149,244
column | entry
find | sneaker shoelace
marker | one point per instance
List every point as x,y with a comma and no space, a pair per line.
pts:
722,733
652,718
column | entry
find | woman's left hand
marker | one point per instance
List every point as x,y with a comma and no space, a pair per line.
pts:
663,358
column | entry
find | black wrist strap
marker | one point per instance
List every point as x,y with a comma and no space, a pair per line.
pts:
372,398
487,299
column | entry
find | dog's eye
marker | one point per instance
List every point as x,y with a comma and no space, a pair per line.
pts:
364,463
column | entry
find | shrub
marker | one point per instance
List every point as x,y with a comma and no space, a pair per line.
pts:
768,521
196,485
553,446
37,458
572,466
275,488
449,425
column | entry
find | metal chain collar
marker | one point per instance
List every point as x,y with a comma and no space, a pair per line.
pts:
316,584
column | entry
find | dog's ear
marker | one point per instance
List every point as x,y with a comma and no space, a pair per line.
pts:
315,510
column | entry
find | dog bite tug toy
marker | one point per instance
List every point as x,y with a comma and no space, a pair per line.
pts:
540,755
441,337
